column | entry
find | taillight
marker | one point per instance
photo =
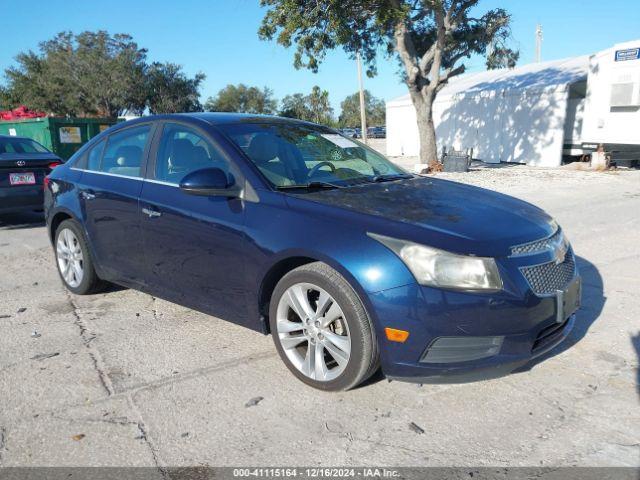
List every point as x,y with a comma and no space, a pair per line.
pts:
53,165
46,182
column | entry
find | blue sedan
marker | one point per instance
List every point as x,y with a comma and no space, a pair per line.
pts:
290,228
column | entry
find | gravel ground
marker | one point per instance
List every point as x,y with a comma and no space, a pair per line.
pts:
511,178
122,378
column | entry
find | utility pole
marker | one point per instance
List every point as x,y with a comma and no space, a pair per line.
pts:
538,43
363,113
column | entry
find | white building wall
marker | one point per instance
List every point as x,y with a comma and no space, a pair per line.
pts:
533,127
505,115
510,126
402,129
466,121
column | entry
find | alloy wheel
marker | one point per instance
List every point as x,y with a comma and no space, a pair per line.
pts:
70,257
313,332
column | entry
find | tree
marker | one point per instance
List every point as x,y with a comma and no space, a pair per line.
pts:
295,106
95,73
319,106
374,108
6,102
243,99
314,107
430,38
92,73
171,91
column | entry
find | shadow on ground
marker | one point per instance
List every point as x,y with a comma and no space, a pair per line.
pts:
478,165
635,341
17,221
111,288
593,301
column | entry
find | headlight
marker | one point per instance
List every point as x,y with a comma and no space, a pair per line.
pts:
437,268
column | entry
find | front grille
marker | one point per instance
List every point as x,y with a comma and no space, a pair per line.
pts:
549,335
548,243
547,278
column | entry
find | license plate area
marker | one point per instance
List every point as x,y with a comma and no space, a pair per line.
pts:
568,300
26,178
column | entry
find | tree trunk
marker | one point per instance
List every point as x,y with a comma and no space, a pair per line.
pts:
423,103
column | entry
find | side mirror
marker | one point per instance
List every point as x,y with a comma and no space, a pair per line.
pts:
210,182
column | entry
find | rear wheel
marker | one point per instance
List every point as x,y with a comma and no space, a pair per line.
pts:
74,261
321,329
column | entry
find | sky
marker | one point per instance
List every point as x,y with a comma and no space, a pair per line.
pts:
219,38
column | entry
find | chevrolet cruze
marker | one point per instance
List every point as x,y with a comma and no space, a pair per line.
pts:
290,228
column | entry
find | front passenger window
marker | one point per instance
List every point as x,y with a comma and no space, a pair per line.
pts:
182,151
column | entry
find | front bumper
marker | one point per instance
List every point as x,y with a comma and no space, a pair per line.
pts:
494,367
526,325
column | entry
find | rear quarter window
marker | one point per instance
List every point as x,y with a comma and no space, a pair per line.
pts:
94,155
124,151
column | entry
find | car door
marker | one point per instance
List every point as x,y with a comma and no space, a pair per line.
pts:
109,190
194,244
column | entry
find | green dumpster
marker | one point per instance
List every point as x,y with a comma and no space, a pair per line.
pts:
63,136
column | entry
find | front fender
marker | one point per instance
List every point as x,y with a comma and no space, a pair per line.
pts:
277,236
369,270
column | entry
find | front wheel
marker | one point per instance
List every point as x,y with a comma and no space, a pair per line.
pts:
321,329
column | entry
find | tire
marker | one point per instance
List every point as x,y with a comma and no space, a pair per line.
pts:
87,282
334,367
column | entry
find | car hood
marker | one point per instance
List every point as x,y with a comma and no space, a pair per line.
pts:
444,214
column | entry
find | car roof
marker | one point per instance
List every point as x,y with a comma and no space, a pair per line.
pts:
218,118
15,136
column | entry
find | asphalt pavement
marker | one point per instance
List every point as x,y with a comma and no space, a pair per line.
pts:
123,378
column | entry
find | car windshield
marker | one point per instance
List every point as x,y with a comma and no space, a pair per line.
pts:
20,145
293,154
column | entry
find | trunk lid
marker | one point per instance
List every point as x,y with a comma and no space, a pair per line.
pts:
36,163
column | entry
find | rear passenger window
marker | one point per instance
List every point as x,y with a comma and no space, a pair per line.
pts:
124,150
182,151
94,156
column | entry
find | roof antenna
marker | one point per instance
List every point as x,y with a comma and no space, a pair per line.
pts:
538,43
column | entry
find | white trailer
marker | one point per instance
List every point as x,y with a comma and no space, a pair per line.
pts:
536,114
612,103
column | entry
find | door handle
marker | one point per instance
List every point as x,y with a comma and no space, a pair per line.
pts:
87,195
151,213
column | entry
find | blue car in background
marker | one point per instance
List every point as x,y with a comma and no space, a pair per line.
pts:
290,228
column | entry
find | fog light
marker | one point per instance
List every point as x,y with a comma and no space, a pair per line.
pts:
395,335
461,349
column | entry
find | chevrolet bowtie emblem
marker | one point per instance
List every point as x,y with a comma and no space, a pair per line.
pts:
560,253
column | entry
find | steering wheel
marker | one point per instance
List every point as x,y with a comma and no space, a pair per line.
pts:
317,167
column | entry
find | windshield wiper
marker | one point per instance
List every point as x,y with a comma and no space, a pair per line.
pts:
310,185
389,178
